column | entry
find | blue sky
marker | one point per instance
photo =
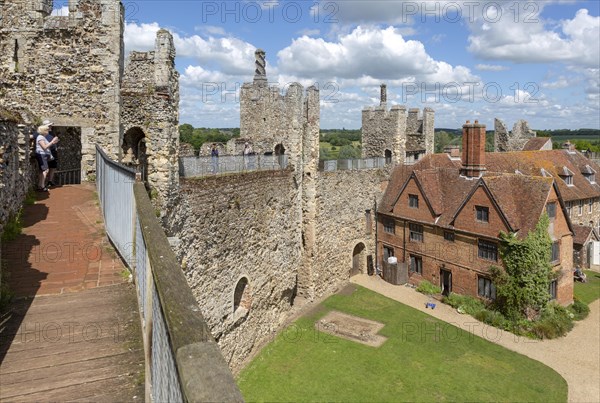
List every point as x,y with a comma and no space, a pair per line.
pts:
533,60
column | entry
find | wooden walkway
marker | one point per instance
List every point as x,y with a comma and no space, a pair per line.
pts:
73,333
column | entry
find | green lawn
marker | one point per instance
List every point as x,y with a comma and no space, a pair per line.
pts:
423,360
590,291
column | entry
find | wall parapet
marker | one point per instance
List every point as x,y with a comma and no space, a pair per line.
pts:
183,362
352,164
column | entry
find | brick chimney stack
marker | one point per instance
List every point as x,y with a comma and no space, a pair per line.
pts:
383,95
473,150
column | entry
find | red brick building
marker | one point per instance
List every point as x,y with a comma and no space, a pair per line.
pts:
443,217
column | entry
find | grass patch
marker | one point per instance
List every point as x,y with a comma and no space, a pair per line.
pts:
423,360
590,291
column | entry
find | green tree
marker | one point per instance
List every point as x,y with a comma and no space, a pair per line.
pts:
522,287
441,140
185,132
348,152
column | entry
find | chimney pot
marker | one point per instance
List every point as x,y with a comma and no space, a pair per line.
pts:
468,121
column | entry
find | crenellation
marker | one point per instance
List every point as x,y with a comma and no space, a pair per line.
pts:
397,134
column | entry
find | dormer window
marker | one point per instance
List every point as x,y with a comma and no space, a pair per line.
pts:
589,174
567,176
544,173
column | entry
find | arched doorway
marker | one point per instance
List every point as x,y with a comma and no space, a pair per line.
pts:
241,296
134,150
359,260
280,153
388,156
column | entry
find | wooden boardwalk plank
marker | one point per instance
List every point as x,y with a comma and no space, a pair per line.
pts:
69,338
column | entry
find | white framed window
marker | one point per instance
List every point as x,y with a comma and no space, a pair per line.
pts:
580,209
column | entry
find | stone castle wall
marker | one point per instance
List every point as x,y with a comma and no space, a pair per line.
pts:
342,224
288,241
150,116
397,131
65,68
514,140
15,167
269,118
384,130
231,227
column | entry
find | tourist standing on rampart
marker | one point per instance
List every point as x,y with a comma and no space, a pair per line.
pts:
214,153
43,154
247,153
53,159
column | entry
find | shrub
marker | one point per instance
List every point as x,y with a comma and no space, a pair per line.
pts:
493,318
425,287
579,309
554,322
466,304
13,227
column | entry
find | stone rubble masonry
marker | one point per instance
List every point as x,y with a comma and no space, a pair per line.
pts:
150,115
65,68
290,233
511,141
16,170
396,130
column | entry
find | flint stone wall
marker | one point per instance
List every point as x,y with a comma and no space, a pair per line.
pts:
16,170
239,226
514,140
341,224
259,226
65,68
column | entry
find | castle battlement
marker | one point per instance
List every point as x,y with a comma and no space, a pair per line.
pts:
277,121
396,133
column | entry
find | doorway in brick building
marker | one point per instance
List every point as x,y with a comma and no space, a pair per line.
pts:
446,282
68,163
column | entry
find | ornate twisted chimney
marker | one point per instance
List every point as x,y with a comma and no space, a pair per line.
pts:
473,150
383,95
260,72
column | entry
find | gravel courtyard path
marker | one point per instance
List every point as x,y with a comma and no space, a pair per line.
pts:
576,357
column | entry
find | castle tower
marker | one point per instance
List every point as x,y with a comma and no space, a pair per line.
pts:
394,134
80,82
150,87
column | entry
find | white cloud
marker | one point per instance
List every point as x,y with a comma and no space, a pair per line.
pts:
490,67
561,82
309,32
574,42
210,30
230,55
367,53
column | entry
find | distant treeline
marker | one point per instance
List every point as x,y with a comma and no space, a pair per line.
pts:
584,139
340,138
198,136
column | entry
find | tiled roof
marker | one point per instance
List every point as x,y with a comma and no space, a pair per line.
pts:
531,163
581,234
520,198
536,143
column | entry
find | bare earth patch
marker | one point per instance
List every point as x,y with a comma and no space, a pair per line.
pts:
352,328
